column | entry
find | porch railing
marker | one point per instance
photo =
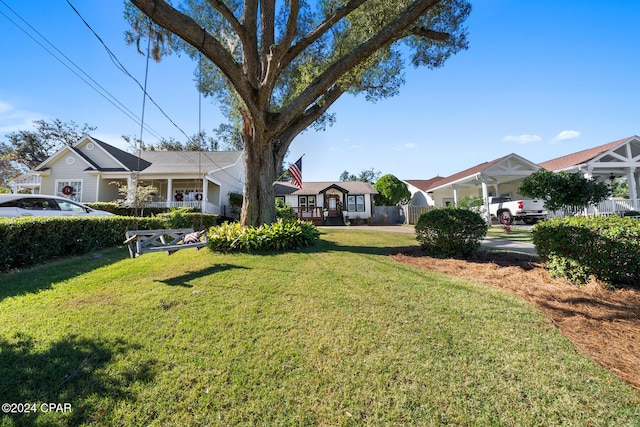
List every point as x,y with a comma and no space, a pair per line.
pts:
606,208
308,213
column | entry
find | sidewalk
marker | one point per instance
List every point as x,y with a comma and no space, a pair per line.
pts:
490,242
508,245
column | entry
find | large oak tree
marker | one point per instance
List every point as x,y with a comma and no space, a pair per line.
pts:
278,65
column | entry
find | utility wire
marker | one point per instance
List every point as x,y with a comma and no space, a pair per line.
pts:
92,83
122,68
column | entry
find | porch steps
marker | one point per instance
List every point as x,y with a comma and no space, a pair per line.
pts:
334,220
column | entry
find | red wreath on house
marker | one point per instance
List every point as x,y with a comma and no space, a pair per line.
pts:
67,190
179,197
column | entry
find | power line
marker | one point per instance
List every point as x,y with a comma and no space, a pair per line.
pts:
122,68
92,83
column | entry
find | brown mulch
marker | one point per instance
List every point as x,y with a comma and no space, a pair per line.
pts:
602,323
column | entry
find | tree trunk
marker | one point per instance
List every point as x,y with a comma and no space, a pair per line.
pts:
261,163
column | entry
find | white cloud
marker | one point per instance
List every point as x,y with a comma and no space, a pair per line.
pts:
522,139
566,134
12,119
407,146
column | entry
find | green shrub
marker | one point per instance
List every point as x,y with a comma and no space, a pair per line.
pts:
279,236
186,218
284,210
118,209
27,241
450,232
579,248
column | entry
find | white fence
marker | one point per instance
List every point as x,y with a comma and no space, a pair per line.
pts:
605,208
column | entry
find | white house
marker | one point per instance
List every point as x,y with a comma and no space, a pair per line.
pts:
334,202
503,176
88,170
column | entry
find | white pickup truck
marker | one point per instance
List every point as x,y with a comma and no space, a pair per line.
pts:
529,211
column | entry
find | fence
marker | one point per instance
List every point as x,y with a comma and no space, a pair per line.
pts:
414,212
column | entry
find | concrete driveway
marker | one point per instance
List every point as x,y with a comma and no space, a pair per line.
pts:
490,242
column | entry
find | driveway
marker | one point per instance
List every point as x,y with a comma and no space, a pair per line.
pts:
490,242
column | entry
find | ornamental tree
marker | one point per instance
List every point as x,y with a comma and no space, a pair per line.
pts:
278,66
570,192
391,191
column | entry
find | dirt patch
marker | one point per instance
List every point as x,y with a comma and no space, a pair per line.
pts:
602,323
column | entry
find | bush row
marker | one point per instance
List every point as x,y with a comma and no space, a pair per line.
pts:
450,232
118,209
26,241
578,248
279,236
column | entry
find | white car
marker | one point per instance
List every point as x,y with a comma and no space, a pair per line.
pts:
20,205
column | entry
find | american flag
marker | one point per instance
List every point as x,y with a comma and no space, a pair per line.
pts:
296,173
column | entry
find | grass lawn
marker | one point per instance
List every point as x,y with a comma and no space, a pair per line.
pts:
338,334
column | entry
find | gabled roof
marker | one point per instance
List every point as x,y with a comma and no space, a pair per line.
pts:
583,156
128,160
176,162
509,167
313,188
424,184
465,173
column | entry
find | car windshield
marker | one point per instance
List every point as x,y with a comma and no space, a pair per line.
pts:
69,206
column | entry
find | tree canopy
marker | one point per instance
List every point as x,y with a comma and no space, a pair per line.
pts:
278,66
570,192
32,147
370,175
391,191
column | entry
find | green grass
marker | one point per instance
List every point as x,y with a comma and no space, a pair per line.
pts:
337,334
516,234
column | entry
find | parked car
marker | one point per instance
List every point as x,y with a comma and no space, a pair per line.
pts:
505,209
20,205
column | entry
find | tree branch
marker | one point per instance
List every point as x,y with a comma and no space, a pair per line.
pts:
190,31
392,32
317,32
431,34
267,24
250,45
229,16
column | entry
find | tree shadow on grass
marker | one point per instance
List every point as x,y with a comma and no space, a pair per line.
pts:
41,277
184,279
72,371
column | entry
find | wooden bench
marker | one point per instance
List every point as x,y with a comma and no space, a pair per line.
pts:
170,241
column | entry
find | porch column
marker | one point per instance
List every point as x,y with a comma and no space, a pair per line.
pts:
98,179
589,173
455,195
633,188
485,199
169,191
203,202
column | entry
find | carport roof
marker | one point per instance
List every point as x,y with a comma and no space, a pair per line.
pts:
503,169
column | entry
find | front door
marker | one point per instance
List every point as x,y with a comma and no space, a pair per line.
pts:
333,204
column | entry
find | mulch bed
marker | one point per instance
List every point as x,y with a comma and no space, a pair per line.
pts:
602,323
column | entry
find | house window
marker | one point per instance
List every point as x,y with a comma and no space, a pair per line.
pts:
306,202
281,198
69,189
355,203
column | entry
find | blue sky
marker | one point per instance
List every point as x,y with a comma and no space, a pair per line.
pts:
541,79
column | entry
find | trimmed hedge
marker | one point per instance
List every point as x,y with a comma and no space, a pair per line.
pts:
579,248
450,232
118,209
279,236
27,241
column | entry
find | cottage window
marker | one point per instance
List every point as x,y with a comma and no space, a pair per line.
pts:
306,202
71,189
355,203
